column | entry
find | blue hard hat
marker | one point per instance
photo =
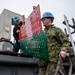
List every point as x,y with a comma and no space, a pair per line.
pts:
47,15
15,18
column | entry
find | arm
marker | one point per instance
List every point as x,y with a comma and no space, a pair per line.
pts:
64,42
15,34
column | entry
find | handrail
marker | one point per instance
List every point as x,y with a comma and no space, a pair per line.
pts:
58,66
5,40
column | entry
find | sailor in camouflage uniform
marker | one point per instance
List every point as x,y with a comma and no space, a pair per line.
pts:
57,42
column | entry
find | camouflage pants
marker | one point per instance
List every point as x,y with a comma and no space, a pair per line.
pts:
48,69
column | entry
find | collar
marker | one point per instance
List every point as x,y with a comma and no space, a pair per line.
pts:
47,27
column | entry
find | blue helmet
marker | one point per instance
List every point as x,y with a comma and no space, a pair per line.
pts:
47,15
15,18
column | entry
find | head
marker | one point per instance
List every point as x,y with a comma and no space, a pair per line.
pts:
47,18
16,19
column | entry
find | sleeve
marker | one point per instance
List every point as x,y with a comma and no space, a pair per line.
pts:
14,34
65,45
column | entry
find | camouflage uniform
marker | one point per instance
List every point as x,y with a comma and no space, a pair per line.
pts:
56,41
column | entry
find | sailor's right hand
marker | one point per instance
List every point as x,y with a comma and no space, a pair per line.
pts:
18,40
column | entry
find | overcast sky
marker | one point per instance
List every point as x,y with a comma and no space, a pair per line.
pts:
57,7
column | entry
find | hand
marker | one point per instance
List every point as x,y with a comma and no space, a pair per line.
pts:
63,54
18,40
18,31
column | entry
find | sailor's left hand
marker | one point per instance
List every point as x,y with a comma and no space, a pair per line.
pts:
63,54
18,31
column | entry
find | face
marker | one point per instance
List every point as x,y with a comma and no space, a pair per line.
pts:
17,22
46,21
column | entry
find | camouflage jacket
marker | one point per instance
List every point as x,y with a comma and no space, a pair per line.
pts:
56,41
